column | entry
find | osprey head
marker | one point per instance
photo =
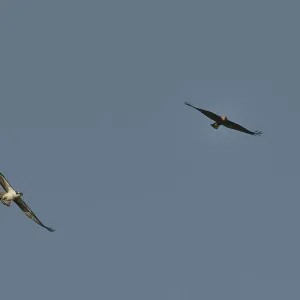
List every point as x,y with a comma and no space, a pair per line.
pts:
6,202
19,194
223,118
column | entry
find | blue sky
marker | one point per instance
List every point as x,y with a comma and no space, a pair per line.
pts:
150,202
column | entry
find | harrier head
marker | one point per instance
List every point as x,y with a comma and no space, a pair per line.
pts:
223,118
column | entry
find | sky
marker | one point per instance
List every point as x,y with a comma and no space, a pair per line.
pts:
148,200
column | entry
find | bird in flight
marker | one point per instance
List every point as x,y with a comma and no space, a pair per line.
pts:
222,120
11,195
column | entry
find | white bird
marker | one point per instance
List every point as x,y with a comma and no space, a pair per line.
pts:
11,195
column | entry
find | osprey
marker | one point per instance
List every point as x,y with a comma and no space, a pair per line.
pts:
222,120
11,195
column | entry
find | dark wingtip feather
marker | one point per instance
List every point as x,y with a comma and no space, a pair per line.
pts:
257,132
50,229
188,104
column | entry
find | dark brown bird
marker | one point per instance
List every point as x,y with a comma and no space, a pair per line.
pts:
222,120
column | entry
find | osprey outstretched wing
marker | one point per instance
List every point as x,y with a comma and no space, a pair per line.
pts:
207,113
4,183
235,126
29,213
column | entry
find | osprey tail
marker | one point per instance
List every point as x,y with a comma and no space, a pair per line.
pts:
215,125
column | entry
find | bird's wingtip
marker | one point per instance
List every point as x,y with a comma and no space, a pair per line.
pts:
258,132
50,229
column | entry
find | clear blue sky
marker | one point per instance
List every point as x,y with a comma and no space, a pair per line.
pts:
150,202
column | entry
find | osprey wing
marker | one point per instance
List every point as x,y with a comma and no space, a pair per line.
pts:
235,126
207,113
29,213
4,183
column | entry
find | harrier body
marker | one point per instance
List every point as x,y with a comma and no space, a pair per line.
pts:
222,120
11,195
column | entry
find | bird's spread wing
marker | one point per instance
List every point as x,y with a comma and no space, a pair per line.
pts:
4,183
29,213
207,113
235,126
